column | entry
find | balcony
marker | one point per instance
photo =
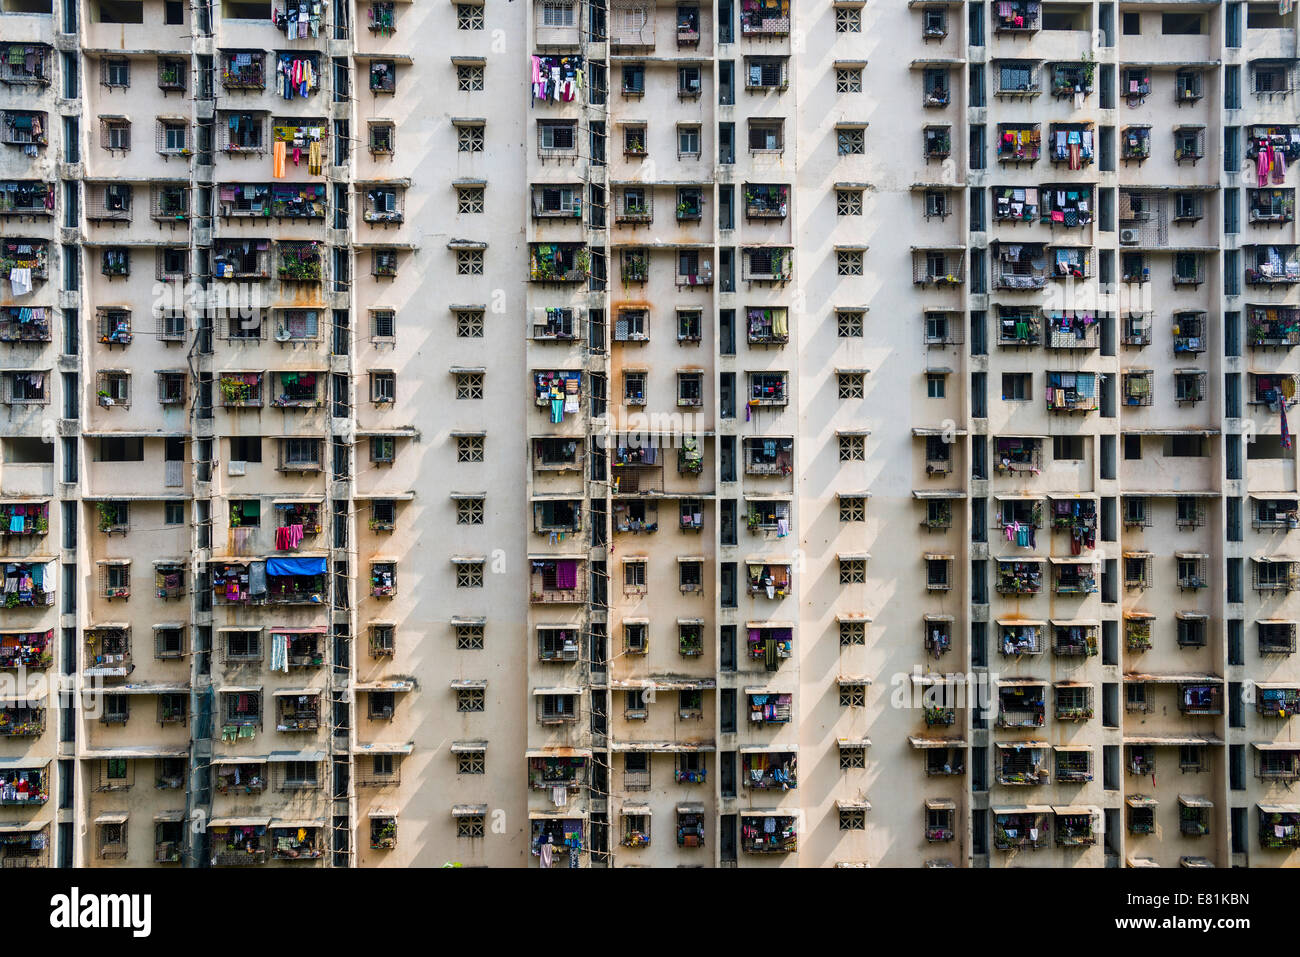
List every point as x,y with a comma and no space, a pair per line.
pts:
1135,144
1019,266
764,201
1277,637
1272,265
769,644
557,581
769,770
1073,765
239,843
1021,764
1075,639
1014,829
24,786
1071,392
770,579
26,198
300,263
1019,144
24,128
296,843
1277,761
17,721
1072,145
24,324
755,838
1074,828
768,264
297,710
1020,578
242,259
636,209
1271,206
244,71
939,267
765,19
1200,699
1272,326
558,262
1021,704
1073,702
769,707
1279,826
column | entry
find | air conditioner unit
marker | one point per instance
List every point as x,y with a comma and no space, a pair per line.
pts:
1128,237
236,468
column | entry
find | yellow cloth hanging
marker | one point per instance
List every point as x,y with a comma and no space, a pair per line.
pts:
780,327
277,159
315,162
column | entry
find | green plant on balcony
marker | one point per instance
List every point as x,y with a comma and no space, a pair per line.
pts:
636,268
107,516
233,391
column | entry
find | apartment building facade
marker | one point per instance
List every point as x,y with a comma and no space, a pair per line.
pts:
900,474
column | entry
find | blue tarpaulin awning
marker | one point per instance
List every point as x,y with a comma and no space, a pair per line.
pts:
295,566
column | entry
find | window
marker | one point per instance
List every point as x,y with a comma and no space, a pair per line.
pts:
690,323
853,694
469,16
853,633
853,508
848,262
853,448
382,137
934,23
848,20
471,825
936,384
469,78
172,137
850,140
1271,78
115,133
469,575
853,571
690,576
688,81
469,511
688,141
115,71
849,323
1067,447
383,387
469,637
171,388
634,577
690,389
469,448
114,389
469,138
851,385
471,699
469,323
1016,387
766,136
469,262
471,761
848,79
852,818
